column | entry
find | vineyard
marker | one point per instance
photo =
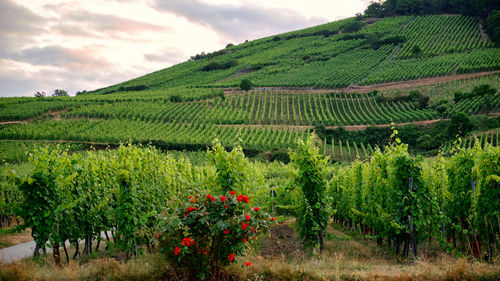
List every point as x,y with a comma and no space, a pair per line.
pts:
184,163
333,56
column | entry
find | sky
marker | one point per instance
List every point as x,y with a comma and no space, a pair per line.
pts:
89,44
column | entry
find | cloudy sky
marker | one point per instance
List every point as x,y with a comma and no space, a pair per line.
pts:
88,44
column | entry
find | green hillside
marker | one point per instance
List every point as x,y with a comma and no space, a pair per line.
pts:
183,107
339,54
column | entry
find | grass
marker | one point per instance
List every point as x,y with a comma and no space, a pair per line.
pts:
346,256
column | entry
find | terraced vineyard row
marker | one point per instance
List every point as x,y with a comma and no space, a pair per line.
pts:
165,135
265,107
441,34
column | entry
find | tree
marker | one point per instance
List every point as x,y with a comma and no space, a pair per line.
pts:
40,94
416,51
246,85
460,124
60,93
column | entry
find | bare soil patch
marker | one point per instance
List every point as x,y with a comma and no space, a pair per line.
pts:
284,241
11,239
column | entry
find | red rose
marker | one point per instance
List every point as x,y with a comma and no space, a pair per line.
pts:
230,257
225,206
240,197
232,192
245,199
226,232
192,199
212,199
209,196
187,242
253,228
205,213
205,253
177,250
247,263
245,239
243,226
247,217
222,198
256,209
272,218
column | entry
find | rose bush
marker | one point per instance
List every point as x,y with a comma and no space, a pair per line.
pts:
207,232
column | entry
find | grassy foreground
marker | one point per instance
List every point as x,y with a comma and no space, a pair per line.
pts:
346,256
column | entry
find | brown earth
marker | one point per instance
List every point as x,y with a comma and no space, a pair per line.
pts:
283,241
8,239
56,115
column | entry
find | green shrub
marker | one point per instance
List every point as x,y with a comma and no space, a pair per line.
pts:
208,232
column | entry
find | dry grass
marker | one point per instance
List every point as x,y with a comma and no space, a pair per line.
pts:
10,239
344,258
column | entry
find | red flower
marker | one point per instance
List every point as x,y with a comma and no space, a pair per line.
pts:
243,226
225,206
187,242
247,217
245,199
177,250
222,198
232,192
230,257
256,209
240,197
157,235
192,199
253,238
273,219
205,253
226,232
247,263
253,228
205,213
245,239
209,196
212,199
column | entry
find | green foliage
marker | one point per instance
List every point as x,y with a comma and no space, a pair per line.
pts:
311,178
245,85
207,232
460,124
60,93
232,169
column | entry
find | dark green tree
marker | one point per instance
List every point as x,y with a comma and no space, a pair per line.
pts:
246,85
60,93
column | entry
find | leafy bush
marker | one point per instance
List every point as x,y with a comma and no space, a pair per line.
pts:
208,232
215,65
311,178
246,85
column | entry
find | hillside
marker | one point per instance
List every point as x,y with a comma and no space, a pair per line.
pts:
183,107
339,54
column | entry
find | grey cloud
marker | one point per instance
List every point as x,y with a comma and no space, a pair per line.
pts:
16,19
59,56
238,22
93,24
17,26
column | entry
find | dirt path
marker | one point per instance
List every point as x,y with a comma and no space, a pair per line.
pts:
349,128
56,115
378,87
